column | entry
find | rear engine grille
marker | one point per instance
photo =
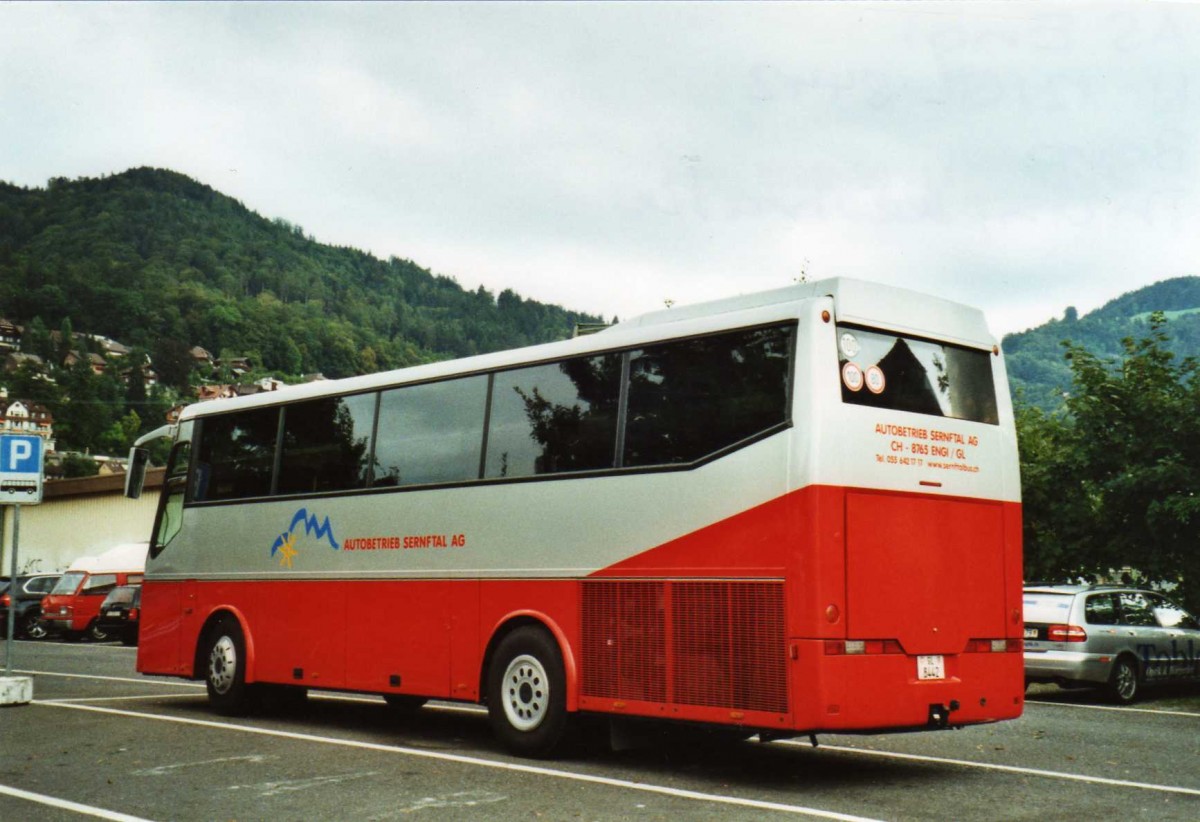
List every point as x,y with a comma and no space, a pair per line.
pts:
722,645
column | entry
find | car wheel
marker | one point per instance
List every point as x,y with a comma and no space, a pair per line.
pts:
224,662
1124,682
527,700
32,627
97,634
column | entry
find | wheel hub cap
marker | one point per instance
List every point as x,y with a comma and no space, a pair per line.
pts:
222,663
526,693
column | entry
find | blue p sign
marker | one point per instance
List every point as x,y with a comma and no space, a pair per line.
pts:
20,455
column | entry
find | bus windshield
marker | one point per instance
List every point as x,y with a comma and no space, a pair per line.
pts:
887,370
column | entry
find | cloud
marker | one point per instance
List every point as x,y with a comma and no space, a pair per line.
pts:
607,157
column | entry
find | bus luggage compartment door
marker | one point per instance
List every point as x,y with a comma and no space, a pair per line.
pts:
927,572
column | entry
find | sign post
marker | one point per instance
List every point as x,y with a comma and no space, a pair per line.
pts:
21,462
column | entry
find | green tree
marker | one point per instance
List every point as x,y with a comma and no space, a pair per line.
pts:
79,465
1112,483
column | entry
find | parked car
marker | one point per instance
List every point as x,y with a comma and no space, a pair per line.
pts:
72,606
1115,637
28,593
119,613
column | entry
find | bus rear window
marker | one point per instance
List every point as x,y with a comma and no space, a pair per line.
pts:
886,370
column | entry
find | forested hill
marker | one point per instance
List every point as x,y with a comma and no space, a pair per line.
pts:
161,262
1036,363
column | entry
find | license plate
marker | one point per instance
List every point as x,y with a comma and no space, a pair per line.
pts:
114,613
1031,633
931,667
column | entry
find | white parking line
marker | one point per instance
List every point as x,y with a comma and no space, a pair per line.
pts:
1121,710
1097,780
143,697
536,770
991,766
143,681
63,804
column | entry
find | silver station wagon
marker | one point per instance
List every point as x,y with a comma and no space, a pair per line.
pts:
1118,638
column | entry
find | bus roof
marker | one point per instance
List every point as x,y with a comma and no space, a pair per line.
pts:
855,301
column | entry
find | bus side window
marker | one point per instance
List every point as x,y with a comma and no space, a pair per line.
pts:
430,432
326,444
691,398
554,418
170,513
239,450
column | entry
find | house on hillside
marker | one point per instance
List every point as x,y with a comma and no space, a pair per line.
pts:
215,392
112,349
15,360
96,362
27,417
238,366
10,336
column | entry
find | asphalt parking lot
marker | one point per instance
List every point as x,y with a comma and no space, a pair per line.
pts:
102,741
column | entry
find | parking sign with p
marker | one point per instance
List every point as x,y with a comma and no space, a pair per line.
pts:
21,460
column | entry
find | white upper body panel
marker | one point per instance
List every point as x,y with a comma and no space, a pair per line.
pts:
560,525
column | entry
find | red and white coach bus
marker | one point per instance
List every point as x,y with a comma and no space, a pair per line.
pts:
790,512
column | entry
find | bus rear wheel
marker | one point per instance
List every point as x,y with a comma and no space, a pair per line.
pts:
224,660
527,700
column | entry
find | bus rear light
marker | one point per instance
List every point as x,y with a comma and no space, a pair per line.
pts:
994,646
1066,633
851,647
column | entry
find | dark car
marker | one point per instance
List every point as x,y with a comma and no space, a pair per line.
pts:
28,592
118,617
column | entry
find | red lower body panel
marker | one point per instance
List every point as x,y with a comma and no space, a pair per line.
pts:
736,635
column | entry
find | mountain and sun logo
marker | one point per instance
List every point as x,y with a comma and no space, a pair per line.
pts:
319,529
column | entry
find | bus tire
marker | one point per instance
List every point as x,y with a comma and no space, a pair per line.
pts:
224,661
527,692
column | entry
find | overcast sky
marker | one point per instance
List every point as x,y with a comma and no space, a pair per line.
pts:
608,157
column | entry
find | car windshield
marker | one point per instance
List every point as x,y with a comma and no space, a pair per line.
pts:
69,582
1042,607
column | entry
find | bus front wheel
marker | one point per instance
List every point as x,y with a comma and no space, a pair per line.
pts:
225,668
527,700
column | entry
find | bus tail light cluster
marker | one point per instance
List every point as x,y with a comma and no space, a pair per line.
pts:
850,647
994,646
1066,633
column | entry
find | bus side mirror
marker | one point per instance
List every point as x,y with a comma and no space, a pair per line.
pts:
135,477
